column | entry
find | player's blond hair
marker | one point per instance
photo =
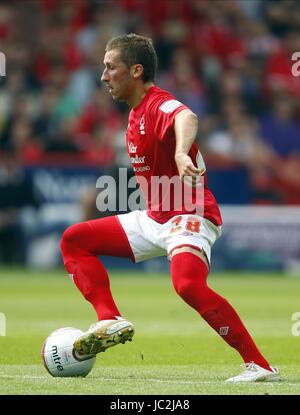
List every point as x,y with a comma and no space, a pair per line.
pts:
136,49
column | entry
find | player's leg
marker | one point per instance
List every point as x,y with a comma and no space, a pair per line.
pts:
189,271
80,246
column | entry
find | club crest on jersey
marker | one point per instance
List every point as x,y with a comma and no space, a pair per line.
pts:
132,148
142,125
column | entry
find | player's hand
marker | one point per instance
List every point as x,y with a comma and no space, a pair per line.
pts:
185,166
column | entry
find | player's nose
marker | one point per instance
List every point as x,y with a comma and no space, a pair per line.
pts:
104,76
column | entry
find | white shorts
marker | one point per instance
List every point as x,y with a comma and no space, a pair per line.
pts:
149,239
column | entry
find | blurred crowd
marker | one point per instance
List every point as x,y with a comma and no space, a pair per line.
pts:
228,60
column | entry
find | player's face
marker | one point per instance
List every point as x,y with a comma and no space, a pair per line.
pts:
117,76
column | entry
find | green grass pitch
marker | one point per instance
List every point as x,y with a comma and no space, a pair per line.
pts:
174,352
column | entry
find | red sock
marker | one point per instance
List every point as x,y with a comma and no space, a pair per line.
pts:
80,246
189,274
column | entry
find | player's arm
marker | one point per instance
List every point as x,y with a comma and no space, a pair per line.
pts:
186,127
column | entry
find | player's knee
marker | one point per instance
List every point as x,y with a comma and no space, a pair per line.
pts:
66,239
70,238
183,286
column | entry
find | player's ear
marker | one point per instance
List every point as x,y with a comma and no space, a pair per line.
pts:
137,70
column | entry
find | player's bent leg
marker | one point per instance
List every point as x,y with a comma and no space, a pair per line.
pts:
189,274
80,245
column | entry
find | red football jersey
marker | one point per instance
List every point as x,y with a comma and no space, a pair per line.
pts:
151,143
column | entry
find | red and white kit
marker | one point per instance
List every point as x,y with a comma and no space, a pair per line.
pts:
151,146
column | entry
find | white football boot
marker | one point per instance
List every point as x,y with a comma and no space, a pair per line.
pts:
104,334
256,373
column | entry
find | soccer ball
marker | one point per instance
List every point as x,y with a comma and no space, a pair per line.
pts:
60,358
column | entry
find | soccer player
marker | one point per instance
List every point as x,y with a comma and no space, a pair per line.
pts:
161,142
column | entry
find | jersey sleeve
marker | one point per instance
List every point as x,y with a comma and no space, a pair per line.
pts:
163,112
